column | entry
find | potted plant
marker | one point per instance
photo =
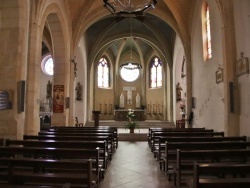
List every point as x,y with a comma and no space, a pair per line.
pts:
131,124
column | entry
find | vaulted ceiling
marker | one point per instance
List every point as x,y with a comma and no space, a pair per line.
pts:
106,32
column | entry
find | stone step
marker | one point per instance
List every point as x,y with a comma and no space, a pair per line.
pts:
142,124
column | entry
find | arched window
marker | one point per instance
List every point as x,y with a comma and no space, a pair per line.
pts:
103,73
206,31
156,73
47,65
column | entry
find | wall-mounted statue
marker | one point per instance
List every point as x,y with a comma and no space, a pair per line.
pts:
78,91
178,92
49,90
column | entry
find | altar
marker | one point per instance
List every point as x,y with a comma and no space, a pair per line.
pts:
121,115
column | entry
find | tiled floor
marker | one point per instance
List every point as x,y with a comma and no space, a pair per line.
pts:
133,166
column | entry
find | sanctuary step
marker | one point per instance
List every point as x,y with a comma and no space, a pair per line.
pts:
142,124
139,134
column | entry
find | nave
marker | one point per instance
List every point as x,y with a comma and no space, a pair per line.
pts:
133,166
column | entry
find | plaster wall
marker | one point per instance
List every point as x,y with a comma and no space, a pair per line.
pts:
242,31
80,107
14,24
209,102
178,59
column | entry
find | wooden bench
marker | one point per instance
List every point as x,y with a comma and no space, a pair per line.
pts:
102,145
74,138
205,156
170,153
205,175
87,130
160,148
157,135
47,172
56,153
151,130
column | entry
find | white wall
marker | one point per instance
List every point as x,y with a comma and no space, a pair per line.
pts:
242,30
81,60
209,105
178,59
43,85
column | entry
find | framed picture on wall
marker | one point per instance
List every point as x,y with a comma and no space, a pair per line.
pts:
219,75
242,65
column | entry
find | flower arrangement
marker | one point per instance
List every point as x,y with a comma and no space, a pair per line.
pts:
131,123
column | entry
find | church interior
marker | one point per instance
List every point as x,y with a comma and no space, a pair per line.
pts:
173,63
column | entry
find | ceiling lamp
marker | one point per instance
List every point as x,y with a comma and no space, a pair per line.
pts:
131,66
129,6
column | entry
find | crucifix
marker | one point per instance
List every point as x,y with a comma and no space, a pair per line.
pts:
129,94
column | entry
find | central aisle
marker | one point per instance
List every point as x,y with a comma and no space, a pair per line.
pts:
133,166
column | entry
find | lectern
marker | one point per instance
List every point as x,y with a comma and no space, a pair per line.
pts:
96,117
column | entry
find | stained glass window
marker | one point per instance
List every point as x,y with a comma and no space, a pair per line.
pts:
47,65
103,73
129,72
156,73
208,29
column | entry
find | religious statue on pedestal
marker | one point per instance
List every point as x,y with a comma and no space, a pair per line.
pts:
138,101
178,92
78,91
49,90
121,105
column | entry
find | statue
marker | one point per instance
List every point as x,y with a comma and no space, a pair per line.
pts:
178,92
49,90
78,91
121,101
138,101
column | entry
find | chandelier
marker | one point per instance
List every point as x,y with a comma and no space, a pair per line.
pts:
131,66
129,6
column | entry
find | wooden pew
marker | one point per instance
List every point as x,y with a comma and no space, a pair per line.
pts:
157,129
110,136
88,130
56,153
47,172
74,138
207,156
157,135
102,145
171,150
160,148
231,175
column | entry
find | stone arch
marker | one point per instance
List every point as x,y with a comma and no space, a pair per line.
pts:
57,20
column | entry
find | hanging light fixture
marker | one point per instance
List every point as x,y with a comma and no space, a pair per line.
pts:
131,65
129,6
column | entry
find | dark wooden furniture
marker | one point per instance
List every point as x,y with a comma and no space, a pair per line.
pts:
170,154
102,145
220,175
56,153
74,138
77,124
152,130
81,130
208,156
47,172
157,135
